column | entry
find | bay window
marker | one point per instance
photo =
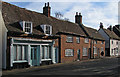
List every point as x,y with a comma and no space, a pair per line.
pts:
20,52
46,52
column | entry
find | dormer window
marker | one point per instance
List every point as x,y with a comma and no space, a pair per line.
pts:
47,29
27,26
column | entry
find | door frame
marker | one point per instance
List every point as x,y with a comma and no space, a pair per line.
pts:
33,61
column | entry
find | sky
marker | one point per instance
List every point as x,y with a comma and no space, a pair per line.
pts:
93,12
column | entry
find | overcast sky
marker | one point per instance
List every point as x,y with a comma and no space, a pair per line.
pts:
93,12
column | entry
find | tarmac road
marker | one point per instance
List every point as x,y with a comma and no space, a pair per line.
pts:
97,67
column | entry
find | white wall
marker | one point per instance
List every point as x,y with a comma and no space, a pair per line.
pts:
119,48
113,46
3,39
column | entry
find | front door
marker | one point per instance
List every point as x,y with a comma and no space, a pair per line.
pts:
56,54
78,54
34,56
89,56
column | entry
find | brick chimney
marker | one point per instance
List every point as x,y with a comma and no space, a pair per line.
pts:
78,18
101,25
110,28
46,9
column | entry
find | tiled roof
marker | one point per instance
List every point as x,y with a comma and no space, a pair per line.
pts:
12,15
116,31
111,34
93,33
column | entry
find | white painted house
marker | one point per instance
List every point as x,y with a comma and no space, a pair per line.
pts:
3,42
111,41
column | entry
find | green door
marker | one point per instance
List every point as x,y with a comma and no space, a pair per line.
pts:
34,56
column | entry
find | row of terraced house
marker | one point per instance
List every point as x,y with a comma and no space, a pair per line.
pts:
32,39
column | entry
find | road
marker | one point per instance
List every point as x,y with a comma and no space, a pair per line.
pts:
98,67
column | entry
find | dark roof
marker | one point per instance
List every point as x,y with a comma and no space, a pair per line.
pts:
116,31
92,33
12,15
111,34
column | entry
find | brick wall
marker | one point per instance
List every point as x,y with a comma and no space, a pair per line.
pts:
74,45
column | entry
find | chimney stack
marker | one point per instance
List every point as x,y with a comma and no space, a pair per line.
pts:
110,28
101,25
46,9
78,18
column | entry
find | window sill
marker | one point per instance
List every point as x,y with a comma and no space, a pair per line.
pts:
69,56
20,61
69,42
45,59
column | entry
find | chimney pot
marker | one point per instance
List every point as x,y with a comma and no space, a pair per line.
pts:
45,4
79,13
76,13
48,4
101,25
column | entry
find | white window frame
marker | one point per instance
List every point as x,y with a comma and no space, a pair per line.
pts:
78,39
23,54
95,50
69,39
85,53
23,23
47,54
102,42
69,52
45,30
86,40
95,42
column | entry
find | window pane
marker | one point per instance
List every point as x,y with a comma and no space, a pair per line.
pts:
50,52
69,52
84,51
35,53
46,52
25,52
28,26
69,39
19,53
86,40
47,29
78,39
15,53
42,52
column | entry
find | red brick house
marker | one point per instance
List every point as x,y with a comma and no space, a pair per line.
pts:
36,38
96,43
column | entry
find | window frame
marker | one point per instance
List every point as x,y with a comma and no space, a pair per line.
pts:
78,40
95,41
28,27
86,40
47,54
85,52
67,51
102,42
95,50
68,39
44,27
23,54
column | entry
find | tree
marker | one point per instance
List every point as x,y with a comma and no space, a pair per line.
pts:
58,15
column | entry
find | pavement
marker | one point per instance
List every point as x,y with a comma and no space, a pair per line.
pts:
108,66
